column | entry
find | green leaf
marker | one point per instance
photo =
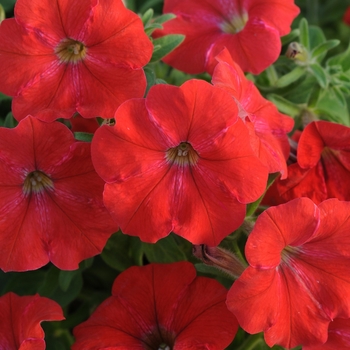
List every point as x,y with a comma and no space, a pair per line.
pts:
331,105
316,36
342,59
314,96
290,77
324,48
167,44
151,27
147,16
319,73
50,283
4,97
10,121
284,105
164,18
65,297
119,252
340,96
298,93
290,37
160,81
148,4
211,270
150,77
65,278
252,207
304,33
22,283
83,136
8,4
165,250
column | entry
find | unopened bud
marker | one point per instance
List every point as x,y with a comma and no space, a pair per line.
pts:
296,52
219,258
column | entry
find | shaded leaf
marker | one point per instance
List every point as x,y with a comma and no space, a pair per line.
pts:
284,105
319,73
165,250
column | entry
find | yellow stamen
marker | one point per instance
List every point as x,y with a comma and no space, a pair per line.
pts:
36,182
70,51
183,154
235,25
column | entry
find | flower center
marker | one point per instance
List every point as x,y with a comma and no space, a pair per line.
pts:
70,51
36,182
159,339
287,253
183,154
235,25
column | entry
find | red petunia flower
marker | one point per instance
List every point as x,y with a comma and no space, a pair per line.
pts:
20,319
249,29
299,274
323,167
268,127
338,336
179,160
51,206
72,56
160,306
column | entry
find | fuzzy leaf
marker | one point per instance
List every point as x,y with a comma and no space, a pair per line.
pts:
324,48
167,44
319,73
290,77
284,105
304,33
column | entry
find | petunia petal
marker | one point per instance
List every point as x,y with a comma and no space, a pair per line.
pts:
113,27
142,204
191,118
275,229
160,303
256,39
199,200
27,60
20,318
56,20
280,13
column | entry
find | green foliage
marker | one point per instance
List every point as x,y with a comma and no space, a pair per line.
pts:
165,44
7,4
83,136
166,250
310,82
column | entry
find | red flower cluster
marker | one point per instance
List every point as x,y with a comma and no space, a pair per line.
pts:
50,198
160,307
72,56
179,160
249,29
298,280
185,159
267,127
323,165
20,319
